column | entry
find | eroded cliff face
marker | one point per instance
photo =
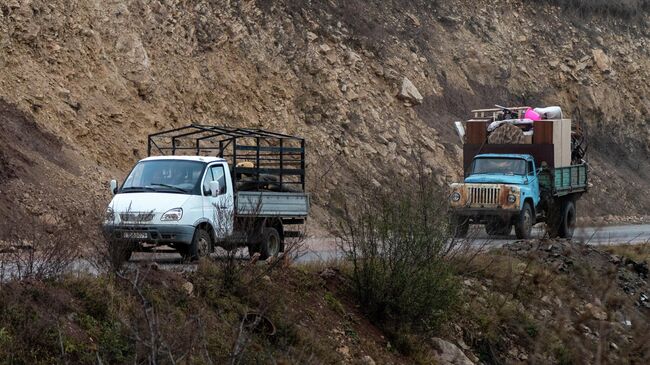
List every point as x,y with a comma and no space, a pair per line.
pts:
98,76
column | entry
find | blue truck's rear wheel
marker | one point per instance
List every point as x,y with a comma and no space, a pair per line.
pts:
568,223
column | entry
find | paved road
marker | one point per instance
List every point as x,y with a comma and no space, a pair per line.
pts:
325,249
319,250
322,249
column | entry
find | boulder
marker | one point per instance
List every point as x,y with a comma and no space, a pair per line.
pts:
601,59
596,311
446,353
409,92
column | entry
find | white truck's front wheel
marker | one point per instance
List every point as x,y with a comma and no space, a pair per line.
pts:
201,246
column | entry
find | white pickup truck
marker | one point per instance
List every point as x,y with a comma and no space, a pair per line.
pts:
194,203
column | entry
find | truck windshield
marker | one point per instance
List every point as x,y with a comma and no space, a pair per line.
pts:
175,176
505,166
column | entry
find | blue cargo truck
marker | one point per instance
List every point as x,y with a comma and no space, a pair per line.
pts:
520,184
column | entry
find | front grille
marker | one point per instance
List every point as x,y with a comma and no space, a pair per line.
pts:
484,195
136,217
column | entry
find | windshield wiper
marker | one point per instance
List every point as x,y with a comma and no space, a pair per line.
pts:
138,188
170,187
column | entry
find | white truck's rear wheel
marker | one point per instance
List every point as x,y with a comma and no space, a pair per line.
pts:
271,243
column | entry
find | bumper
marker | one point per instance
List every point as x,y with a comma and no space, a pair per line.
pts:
485,212
156,234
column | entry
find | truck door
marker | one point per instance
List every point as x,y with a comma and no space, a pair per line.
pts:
533,182
218,210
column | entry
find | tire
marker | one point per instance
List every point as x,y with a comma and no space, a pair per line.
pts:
271,244
568,223
120,252
201,246
459,226
553,220
525,221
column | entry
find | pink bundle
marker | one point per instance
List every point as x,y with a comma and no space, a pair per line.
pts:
532,115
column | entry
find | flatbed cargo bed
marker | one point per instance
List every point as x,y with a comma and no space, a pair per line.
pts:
563,181
271,204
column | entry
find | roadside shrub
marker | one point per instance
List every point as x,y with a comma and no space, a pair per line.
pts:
398,243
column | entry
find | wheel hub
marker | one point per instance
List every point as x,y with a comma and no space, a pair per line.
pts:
274,246
204,246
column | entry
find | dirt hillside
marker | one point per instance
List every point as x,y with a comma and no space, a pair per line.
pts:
83,83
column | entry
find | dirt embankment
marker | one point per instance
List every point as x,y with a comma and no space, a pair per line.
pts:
100,76
41,182
547,302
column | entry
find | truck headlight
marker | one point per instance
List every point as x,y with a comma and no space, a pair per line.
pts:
512,199
172,215
455,197
109,216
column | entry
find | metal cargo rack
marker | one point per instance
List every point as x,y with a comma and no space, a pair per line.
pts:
259,159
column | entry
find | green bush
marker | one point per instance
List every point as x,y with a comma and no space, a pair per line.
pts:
397,244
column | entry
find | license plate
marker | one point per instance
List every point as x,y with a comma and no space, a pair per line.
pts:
136,235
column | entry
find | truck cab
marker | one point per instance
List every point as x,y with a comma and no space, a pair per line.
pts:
181,201
499,191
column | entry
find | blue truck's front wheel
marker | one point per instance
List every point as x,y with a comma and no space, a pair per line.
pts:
524,222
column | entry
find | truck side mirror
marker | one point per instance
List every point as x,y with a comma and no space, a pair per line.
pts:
214,188
113,186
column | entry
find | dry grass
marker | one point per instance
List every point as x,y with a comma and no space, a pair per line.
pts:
636,252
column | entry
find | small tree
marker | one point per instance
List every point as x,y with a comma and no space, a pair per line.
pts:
398,243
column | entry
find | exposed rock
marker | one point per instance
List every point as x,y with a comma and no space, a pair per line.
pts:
449,354
367,360
328,273
189,288
409,92
344,350
596,311
311,36
601,59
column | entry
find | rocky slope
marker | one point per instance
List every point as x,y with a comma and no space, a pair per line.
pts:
97,76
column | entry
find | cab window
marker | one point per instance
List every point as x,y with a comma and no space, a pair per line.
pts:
531,168
215,173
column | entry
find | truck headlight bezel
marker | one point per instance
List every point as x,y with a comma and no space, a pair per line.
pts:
455,196
109,215
512,198
172,215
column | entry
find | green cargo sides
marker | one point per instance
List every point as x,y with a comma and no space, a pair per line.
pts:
565,180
